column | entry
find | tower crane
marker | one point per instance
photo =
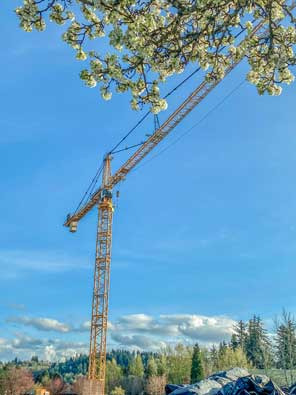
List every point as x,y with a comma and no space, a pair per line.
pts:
103,198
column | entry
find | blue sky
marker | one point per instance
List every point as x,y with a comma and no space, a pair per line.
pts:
204,234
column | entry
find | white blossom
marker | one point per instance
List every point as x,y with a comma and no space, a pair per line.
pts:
151,40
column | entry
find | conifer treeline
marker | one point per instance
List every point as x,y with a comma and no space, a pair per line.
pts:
251,346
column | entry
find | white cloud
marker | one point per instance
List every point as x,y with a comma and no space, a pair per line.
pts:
135,329
42,324
45,324
202,328
22,342
138,341
24,346
136,321
50,353
84,327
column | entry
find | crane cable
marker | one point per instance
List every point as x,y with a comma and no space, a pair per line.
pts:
156,122
141,120
114,149
91,187
174,142
213,109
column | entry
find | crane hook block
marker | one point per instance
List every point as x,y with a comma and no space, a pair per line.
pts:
73,226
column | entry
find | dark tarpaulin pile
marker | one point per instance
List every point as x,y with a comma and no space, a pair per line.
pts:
236,381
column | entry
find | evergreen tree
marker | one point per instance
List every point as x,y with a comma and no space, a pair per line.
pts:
136,368
206,361
34,359
197,370
222,350
286,345
151,369
45,380
234,343
162,368
214,357
240,335
257,344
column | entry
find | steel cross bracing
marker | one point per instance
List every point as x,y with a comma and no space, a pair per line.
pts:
99,319
178,115
103,197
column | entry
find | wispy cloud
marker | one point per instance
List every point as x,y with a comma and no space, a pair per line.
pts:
176,242
42,324
16,306
17,263
45,324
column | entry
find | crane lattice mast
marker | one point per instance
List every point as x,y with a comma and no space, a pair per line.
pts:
99,321
103,198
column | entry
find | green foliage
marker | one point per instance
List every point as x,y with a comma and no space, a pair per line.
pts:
136,368
222,350
179,360
117,391
257,345
239,336
213,361
162,368
225,357
234,342
286,346
249,348
70,368
114,375
150,40
35,359
123,357
286,342
151,369
197,370
3,376
232,358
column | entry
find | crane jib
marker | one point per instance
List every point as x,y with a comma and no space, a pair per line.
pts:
174,119
95,383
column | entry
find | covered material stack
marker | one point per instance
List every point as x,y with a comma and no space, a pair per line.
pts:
236,381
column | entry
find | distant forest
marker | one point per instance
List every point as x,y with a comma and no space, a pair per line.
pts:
250,347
